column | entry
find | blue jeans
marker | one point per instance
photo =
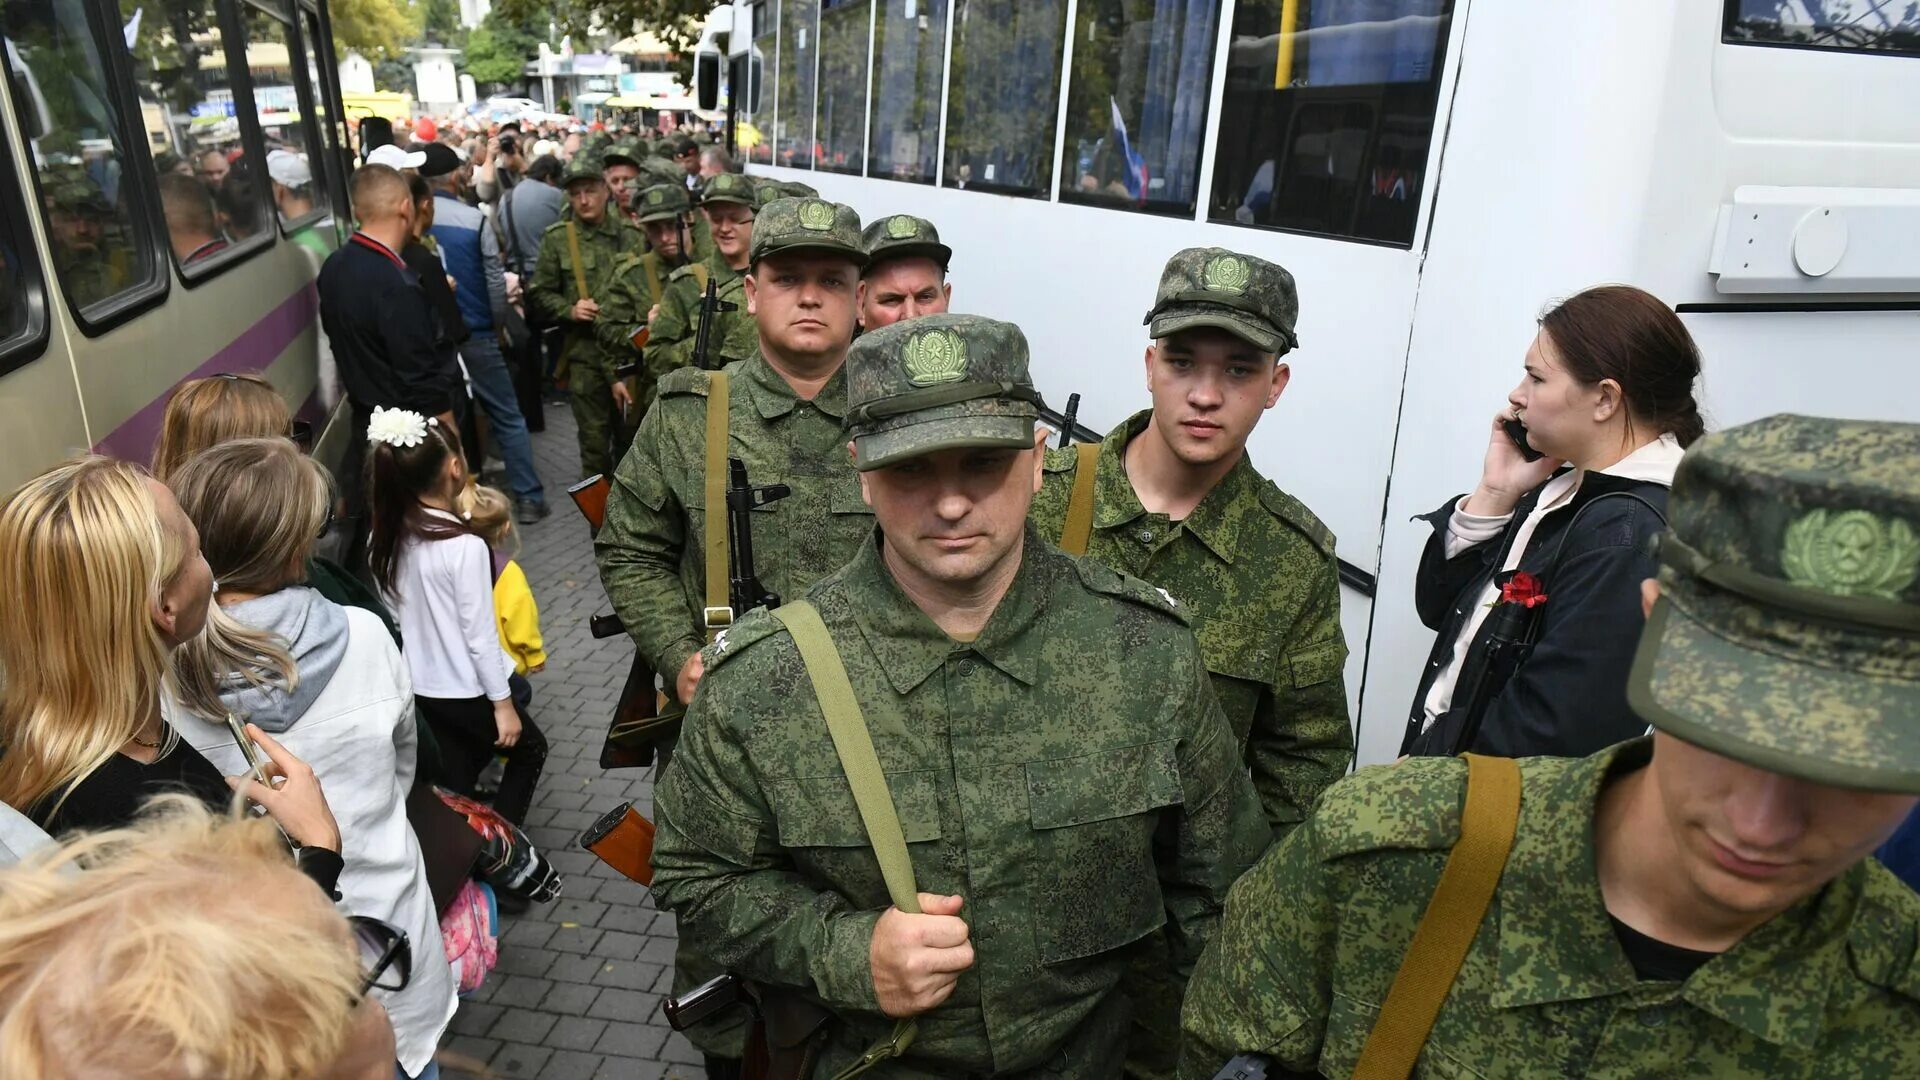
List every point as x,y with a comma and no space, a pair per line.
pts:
431,1072
493,385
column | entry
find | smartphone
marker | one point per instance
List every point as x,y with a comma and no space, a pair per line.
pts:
1517,431
247,747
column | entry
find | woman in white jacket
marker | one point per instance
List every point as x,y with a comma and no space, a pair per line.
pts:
325,680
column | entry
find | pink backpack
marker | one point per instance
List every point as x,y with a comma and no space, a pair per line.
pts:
470,930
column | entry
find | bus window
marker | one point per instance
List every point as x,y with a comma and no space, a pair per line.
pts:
23,315
1328,115
793,119
212,190
97,217
909,58
290,144
766,44
1849,25
1137,104
1004,95
841,115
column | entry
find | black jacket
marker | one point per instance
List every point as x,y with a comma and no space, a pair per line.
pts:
381,328
1569,698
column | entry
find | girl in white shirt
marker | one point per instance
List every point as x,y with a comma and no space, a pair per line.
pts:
438,576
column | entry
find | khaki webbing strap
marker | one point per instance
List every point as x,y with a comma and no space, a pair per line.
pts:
1451,921
854,743
654,286
700,276
1079,530
718,615
579,272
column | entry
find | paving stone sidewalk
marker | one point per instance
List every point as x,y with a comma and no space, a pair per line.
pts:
577,993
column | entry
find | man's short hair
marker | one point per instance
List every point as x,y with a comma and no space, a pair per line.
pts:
718,155
545,168
379,190
187,203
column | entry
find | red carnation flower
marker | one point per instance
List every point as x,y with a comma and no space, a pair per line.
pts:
1523,589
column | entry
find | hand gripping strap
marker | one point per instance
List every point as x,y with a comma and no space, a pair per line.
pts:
1452,918
579,272
1079,528
854,743
718,615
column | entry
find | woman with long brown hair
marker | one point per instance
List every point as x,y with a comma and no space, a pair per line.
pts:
1533,578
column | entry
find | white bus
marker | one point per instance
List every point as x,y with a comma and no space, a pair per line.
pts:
1433,172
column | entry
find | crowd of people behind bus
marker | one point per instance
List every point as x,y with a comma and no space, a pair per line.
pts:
176,646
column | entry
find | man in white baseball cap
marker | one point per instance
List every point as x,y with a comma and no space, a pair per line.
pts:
395,158
292,184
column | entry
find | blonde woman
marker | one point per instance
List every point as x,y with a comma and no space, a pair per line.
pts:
187,945
103,578
325,680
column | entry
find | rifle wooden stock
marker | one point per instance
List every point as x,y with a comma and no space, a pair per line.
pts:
638,722
590,495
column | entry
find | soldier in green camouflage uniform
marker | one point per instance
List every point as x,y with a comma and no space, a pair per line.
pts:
91,269
671,341
639,279
906,274
650,549
620,168
1057,806
598,397
1254,566
1695,904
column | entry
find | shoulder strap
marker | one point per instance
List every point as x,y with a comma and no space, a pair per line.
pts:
854,743
1079,528
579,272
718,615
700,275
652,269
1452,918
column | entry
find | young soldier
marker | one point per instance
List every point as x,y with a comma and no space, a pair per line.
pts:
1174,498
620,166
1058,802
633,297
728,205
1695,903
906,275
575,269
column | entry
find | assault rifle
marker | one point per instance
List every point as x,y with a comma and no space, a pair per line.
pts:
710,305
744,591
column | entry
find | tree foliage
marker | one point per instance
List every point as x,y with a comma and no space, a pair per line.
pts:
499,49
676,22
376,29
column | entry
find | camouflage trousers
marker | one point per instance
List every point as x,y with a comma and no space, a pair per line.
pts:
1153,1038
604,434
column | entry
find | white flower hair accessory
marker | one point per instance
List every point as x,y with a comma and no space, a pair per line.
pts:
397,427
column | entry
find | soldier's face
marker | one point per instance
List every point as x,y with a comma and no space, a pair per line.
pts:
1751,842
903,289
954,517
1209,388
589,199
803,303
620,180
732,226
664,236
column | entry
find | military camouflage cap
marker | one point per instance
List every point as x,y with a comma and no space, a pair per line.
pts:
582,166
728,187
903,237
785,225
621,153
682,144
1787,635
68,187
939,382
1250,298
654,170
662,202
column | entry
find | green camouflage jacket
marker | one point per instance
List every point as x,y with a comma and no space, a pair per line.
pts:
1256,571
1314,934
651,548
1074,805
735,336
554,291
623,312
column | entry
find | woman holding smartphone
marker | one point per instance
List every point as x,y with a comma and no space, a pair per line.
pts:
326,680
1549,553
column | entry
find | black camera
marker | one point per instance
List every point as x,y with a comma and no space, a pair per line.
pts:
507,145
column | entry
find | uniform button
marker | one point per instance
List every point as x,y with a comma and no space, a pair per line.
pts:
1146,536
966,667
1652,1018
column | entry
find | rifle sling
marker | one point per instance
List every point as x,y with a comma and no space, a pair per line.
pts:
854,743
579,272
1079,528
1451,921
718,615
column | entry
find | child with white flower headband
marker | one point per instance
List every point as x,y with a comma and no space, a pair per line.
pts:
437,573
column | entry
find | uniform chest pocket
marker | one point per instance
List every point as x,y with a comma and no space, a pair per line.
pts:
1245,661
819,824
1094,817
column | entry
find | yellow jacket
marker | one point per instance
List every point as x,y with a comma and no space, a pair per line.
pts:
519,618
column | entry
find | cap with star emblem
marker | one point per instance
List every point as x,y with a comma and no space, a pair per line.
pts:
583,166
904,236
728,187
815,225
1247,297
661,202
1787,635
939,382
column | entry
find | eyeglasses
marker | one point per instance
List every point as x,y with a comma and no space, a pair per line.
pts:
386,957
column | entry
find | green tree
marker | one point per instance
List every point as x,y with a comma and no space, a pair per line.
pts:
676,22
440,23
499,49
376,29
